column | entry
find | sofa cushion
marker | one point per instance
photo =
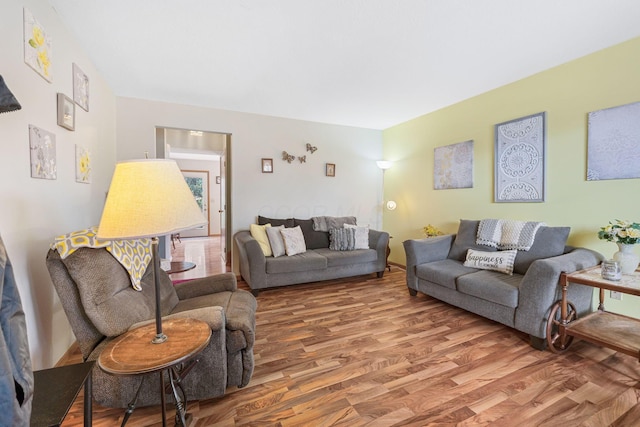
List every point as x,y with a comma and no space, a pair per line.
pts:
491,286
259,233
309,260
443,272
313,239
275,221
337,258
548,242
501,261
275,240
106,293
342,239
466,239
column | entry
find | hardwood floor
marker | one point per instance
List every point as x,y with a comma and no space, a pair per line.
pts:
362,352
204,252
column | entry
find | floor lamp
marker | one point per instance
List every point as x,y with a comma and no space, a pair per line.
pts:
149,198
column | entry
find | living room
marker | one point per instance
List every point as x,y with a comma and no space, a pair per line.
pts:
118,127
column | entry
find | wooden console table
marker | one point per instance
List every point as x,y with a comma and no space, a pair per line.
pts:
615,331
133,353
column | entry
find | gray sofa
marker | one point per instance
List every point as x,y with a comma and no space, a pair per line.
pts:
316,264
522,300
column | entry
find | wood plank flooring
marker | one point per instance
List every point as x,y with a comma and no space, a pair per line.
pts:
362,352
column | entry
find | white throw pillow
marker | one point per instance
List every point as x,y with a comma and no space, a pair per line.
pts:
275,240
362,236
259,233
501,261
293,240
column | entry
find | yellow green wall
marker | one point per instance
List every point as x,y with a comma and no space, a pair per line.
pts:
567,93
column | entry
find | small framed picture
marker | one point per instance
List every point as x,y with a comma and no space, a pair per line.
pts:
218,179
331,169
66,112
267,165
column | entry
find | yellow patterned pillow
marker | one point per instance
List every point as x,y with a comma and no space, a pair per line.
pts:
134,255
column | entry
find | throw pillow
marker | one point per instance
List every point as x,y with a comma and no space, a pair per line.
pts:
275,240
342,239
293,240
362,236
501,261
259,233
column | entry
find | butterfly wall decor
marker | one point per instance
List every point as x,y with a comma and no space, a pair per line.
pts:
303,159
311,148
287,157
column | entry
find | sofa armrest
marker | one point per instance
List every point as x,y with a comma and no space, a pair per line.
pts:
540,289
420,251
379,240
206,285
252,261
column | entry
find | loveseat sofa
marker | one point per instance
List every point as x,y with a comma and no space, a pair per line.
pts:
522,300
317,263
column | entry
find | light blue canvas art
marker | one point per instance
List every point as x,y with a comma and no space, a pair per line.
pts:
614,143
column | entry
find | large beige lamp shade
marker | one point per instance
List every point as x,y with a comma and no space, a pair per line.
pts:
149,198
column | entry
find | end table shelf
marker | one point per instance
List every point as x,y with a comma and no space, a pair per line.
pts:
618,332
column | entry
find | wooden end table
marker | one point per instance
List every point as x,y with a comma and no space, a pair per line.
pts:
133,353
615,331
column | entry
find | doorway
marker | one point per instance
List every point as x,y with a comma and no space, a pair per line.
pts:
198,151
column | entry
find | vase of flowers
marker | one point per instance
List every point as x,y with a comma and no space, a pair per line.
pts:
431,231
625,234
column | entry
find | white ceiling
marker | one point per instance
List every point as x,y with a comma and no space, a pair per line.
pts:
366,63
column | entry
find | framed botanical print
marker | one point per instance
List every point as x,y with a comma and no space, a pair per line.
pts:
330,169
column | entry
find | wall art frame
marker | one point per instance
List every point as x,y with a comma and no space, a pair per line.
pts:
520,151
613,151
330,169
38,51
80,88
267,166
42,147
83,165
453,166
66,112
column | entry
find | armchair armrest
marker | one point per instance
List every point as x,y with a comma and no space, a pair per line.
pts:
540,289
420,251
206,285
212,316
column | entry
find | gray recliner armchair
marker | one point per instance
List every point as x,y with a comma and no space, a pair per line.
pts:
96,294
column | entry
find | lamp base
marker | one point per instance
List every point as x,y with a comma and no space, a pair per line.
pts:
159,339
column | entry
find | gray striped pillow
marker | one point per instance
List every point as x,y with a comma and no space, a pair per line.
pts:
342,239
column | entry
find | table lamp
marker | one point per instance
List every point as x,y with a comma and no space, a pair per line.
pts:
149,198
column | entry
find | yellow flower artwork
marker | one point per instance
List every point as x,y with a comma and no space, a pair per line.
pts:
83,165
37,46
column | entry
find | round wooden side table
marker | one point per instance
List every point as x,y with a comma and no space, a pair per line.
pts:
133,353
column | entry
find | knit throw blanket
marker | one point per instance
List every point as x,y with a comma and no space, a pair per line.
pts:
134,255
507,234
325,223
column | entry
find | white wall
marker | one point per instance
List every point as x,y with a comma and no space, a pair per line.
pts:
34,211
213,167
298,190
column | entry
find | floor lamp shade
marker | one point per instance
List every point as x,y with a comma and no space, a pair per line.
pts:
148,198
